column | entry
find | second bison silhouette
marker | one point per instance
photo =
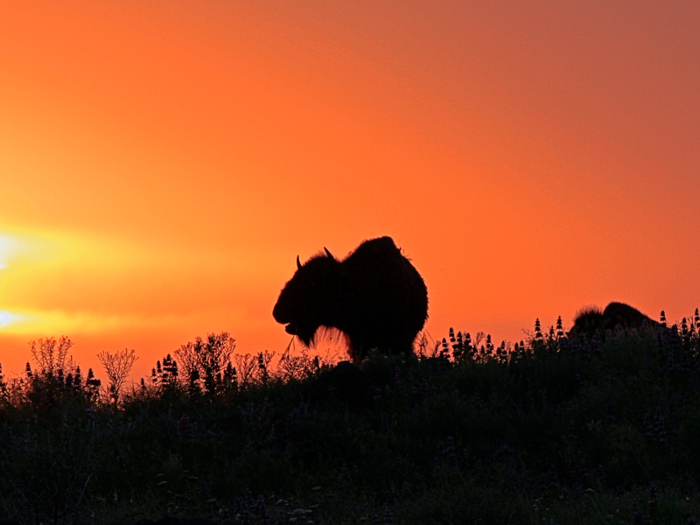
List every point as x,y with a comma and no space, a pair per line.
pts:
590,320
375,297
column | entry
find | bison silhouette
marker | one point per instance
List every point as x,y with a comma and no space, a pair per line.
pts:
590,320
375,297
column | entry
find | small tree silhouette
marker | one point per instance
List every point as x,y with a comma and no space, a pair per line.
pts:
118,367
51,355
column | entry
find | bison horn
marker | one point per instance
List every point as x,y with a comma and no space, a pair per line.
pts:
298,263
329,254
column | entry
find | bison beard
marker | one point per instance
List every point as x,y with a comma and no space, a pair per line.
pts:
375,297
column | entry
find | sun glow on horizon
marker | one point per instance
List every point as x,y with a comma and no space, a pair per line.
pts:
35,268
9,321
92,288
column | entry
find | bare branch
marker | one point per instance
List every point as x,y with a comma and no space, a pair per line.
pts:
118,367
51,355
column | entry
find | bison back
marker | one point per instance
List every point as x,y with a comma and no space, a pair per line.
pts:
388,300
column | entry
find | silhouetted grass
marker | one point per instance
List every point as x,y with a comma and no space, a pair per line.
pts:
551,430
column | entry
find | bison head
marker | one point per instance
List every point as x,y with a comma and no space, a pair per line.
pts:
309,300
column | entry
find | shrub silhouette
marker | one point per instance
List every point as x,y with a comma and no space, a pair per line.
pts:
205,360
117,366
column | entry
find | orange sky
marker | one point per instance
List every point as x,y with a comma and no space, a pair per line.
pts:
163,163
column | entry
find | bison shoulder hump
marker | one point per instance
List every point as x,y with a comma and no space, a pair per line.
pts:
382,248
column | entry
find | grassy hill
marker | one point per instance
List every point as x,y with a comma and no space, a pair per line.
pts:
550,431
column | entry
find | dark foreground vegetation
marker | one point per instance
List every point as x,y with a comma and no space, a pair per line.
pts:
554,430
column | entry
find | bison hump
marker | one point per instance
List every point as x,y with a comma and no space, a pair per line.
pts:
375,248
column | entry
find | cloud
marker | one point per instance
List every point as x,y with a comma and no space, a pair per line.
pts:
55,322
23,322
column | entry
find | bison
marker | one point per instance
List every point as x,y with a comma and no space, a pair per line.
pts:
590,320
375,297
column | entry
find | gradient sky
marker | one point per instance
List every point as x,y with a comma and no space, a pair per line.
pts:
163,163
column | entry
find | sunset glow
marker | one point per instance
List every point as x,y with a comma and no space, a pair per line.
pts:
163,164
